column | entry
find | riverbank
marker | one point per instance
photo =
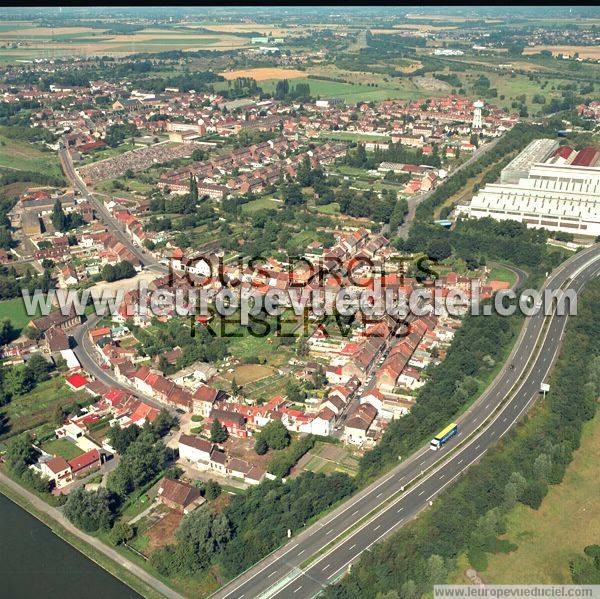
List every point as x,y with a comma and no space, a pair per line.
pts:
107,558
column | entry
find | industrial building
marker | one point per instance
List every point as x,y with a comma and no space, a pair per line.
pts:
539,150
559,195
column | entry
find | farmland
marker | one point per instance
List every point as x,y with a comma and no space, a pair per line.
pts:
262,74
21,41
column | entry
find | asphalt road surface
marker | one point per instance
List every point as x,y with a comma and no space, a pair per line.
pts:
145,257
502,405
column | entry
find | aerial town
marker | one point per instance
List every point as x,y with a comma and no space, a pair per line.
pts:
254,171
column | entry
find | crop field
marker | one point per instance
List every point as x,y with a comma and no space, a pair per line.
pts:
592,52
264,73
328,458
25,41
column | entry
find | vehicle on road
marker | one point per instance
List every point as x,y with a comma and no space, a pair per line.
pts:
443,436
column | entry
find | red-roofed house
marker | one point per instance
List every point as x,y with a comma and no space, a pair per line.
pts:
85,462
77,382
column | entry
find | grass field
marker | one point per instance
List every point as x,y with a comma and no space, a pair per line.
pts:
24,156
62,447
14,309
37,407
353,92
567,521
249,373
498,273
260,204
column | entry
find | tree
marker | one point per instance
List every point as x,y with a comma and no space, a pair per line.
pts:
218,433
90,510
20,453
164,423
7,331
276,435
121,438
212,490
439,249
121,533
193,189
59,218
144,459
260,445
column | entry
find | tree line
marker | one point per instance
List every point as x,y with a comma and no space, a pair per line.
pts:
470,516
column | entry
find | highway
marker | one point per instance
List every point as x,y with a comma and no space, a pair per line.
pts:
409,487
340,537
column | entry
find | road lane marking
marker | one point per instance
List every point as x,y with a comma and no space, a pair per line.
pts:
301,552
421,493
329,531
398,511
298,589
272,574
377,527
353,546
354,512
327,566
378,495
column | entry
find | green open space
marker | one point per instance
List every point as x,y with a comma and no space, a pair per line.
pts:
14,310
63,448
37,407
24,156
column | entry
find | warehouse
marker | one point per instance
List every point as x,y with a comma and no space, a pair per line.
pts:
558,197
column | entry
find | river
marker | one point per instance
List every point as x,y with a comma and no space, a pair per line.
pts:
34,562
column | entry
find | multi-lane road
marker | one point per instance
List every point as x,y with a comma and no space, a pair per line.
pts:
378,510
416,482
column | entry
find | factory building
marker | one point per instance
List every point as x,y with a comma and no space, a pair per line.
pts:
559,195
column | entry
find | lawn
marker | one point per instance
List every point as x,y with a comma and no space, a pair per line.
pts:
62,447
15,310
567,521
499,273
260,204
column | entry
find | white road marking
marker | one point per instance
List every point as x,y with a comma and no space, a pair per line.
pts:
398,511
377,527
301,552
298,589
327,566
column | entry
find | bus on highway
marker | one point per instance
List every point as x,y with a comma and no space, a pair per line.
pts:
443,436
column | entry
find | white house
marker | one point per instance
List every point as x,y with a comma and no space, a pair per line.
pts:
195,450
